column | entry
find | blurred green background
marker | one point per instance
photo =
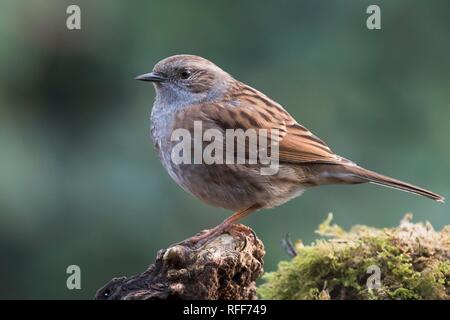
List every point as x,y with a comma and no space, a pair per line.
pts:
79,179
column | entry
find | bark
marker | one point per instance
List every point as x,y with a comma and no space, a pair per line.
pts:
224,268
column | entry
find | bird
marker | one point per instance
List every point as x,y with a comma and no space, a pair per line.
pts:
192,89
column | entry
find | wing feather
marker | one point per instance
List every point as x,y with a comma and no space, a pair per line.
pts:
251,109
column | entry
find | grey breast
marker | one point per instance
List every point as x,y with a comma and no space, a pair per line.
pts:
231,187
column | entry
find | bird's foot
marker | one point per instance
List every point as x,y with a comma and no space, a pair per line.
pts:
235,230
241,232
201,239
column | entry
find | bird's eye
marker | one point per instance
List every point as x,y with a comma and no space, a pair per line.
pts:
185,74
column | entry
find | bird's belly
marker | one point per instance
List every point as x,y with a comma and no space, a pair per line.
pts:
218,185
230,186
233,187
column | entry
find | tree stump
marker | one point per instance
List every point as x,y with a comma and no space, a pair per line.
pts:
224,268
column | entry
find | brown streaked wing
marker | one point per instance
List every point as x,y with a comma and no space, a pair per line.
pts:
300,145
297,143
257,111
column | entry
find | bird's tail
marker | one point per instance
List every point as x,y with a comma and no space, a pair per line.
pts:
377,178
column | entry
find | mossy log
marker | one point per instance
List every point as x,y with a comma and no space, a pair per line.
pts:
411,261
224,268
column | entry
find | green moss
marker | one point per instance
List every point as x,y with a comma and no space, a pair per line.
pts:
413,261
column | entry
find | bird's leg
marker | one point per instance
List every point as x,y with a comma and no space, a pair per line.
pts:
198,241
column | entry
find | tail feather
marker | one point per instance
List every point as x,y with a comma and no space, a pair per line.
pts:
380,179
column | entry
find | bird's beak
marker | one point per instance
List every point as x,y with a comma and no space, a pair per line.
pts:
152,77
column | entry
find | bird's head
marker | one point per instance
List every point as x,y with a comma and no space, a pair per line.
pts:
187,79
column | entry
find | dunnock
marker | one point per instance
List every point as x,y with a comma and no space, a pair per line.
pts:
190,88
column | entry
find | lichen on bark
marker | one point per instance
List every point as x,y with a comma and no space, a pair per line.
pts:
413,261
